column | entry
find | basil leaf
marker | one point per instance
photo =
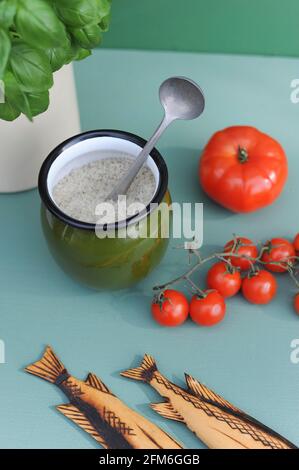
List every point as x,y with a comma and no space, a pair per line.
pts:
39,26
81,53
5,47
104,24
88,37
59,56
104,7
8,112
38,102
77,13
15,96
8,10
31,68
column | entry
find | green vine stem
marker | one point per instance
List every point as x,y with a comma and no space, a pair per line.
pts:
256,263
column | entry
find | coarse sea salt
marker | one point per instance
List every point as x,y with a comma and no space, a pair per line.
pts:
79,192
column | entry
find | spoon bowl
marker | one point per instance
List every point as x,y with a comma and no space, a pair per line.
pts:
181,98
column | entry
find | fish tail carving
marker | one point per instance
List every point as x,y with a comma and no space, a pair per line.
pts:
49,368
144,372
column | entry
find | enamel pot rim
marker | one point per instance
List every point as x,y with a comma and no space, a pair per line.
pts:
54,209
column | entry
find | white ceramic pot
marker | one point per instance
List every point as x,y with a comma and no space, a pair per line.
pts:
24,145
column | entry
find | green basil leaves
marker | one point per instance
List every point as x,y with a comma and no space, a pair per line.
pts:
88,37
8,10
5,46
31,68
59,56
38,102
15,96
77,13
39,26
37,38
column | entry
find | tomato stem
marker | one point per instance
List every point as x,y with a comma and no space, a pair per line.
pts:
255,263
242,155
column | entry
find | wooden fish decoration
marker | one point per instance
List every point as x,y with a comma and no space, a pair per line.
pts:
215,421
101,414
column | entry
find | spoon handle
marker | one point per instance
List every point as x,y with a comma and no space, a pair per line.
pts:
123,185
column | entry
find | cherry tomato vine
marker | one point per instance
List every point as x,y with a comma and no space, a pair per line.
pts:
240,266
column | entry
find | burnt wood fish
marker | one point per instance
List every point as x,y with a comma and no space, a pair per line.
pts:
99,412
215,421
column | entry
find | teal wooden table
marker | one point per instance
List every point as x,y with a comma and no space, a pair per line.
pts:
247,357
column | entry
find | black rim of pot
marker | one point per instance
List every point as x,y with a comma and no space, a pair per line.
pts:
54,209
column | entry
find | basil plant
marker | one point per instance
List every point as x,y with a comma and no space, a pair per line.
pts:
38,37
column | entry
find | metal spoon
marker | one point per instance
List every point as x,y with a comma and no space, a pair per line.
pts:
181,98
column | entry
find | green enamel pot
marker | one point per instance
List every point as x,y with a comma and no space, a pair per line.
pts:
104,262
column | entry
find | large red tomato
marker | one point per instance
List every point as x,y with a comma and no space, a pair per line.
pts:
243,169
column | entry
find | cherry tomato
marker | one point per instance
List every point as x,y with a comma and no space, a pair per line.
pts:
278,250
250,251
296,243
227,281
207,310
296,303
260,287
172,309
243,169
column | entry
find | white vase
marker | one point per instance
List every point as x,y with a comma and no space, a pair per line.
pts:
24,144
